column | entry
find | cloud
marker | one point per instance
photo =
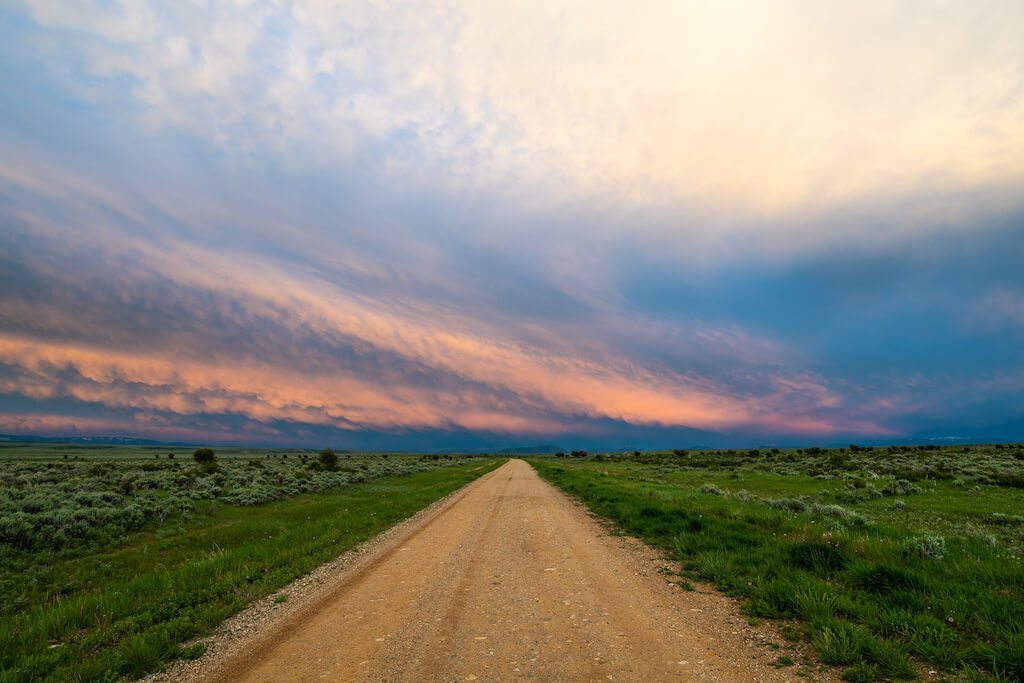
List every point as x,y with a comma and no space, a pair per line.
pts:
468,222
999,309
750,108
197,331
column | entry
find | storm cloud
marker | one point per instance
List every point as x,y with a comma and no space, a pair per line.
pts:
462,225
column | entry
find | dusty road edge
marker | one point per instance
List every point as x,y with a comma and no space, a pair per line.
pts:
264,619
762,639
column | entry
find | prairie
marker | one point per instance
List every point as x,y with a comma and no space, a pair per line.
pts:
891,561
112,557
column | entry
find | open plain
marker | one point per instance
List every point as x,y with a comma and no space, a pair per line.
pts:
508,580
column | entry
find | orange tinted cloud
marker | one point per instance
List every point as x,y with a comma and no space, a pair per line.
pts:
604,387
154,322
498,385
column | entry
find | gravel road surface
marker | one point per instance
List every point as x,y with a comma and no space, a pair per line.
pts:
506,580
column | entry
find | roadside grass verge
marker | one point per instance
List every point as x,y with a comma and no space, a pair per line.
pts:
127,609
873,593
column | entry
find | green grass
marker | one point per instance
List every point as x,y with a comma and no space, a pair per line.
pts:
50,505
880,587
124,610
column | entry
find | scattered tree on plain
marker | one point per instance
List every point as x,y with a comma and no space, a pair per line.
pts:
328,459
203,455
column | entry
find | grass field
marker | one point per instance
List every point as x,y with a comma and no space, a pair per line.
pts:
893,561
113,557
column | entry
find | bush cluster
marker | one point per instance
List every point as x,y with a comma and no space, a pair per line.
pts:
58,505
909,466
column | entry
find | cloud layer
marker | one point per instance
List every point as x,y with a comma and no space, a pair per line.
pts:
475,224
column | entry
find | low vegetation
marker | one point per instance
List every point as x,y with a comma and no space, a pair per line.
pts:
890,559
111,558
94,497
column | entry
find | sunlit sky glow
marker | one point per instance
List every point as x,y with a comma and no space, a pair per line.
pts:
473,224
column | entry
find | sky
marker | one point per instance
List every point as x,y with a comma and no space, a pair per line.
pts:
470,225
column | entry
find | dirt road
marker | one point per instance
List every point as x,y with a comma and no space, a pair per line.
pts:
509,581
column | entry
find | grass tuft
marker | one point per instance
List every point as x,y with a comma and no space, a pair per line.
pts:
816,557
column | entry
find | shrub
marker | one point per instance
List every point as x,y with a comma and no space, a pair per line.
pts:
929,547
900,487
840,513
791,504
79,505
838,460
1001,519
1010,479
328,459
202,455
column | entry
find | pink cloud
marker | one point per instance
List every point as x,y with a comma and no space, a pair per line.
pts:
998,309
503,376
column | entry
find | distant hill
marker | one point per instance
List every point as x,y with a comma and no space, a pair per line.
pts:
522,450
97,440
